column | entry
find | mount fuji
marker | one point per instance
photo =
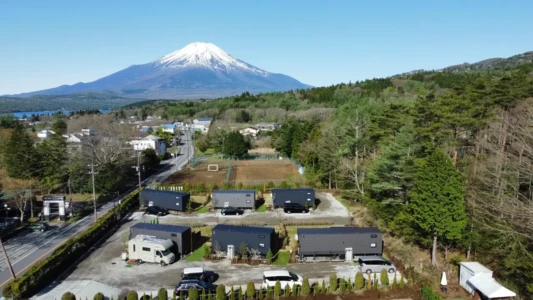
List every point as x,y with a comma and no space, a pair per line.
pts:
199,70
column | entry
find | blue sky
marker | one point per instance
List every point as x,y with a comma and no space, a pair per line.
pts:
45,44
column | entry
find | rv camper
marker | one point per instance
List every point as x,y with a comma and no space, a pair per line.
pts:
151,249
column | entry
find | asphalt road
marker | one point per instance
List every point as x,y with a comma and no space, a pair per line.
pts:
28,248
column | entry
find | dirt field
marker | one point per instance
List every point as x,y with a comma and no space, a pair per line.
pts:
247,172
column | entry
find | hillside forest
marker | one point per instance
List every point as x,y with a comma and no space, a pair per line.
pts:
443,160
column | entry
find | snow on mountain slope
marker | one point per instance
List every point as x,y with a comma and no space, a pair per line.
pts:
199,70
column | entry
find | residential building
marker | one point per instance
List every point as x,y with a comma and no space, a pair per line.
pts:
44,134
201,124
249,131
155,142
267,126
168,127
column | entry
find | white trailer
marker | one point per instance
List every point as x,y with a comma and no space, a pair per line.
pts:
150,249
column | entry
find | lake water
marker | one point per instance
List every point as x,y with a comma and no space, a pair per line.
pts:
28,114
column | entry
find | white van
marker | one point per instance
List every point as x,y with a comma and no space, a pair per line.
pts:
151,249
285,278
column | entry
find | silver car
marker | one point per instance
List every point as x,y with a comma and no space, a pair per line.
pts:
375,264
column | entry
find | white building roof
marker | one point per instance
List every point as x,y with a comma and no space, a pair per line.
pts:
276,273
490,287
152,137
475,267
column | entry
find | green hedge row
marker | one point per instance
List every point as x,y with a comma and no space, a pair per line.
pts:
47,270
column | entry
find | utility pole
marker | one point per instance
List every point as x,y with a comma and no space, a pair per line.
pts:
70,197
92,165
7,260
138,167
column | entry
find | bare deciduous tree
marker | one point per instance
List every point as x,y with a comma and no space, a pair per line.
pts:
20,191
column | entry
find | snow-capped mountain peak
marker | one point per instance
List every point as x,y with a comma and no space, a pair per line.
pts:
205,55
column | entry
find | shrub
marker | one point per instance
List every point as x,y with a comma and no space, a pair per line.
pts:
232,293
428,294
359,281
260,294
250,290
287,290
187,187
207,250
193,293
203,297
226,186
375,282
99,296
333,282
402,281
174,296
323,289
316,289
277,289
162,294
268,292
284,185
270,185
369,283
349,285
239,186
384,277
239,294
68,296
306,289
342,285
269,256
221,292
395,282
132,295
243,251
209,296
295,290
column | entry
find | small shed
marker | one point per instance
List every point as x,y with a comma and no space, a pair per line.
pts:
233,198
476,278
164,199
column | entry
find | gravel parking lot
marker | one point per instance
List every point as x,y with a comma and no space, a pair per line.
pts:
329,209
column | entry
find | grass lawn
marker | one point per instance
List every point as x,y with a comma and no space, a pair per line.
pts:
196,255
282,259
202,209
204,231
261,208
198,199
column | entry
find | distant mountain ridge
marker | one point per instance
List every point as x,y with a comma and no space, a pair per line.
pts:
491,64
199,70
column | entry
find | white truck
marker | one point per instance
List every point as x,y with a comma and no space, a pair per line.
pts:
145,248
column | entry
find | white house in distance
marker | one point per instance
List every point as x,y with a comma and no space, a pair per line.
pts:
44,134
475,278
249,131
267,126
151,141
201,124
168,127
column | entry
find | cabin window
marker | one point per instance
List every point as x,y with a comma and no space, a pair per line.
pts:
261,236
133,247
373,245
373,236
146,249
248,195
173,235
261,245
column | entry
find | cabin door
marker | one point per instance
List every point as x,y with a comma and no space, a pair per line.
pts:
349,254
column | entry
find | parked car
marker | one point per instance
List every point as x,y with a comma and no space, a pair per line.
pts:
285,278
231,211
294,207
38,226
375,264
198,274
156,210
184,286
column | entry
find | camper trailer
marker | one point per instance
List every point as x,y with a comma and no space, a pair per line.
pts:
150,249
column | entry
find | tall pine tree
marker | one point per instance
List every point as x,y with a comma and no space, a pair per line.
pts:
20,157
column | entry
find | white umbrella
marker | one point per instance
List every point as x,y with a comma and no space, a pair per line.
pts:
443,281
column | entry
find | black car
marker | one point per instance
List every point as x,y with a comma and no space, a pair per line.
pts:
231,211
294,207
38,226
183,287
156,210
198,274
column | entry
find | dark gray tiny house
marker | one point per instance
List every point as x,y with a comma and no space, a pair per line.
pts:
258,238
164,199
244,199
333,241
180,235
300,196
